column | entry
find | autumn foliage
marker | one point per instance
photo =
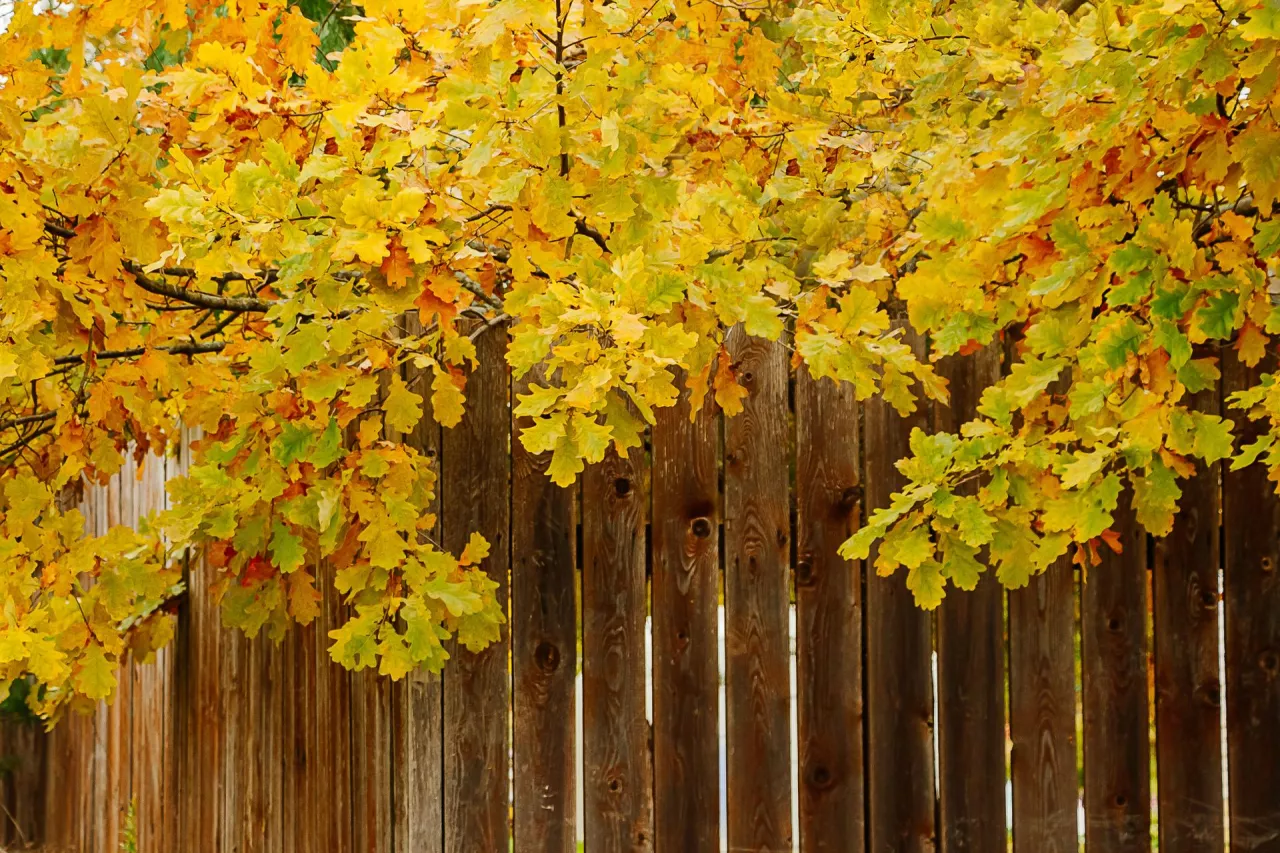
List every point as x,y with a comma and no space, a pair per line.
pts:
283,226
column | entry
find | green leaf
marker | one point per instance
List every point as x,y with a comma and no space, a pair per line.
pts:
1213,440
293,443
1155,498
926,584
287,550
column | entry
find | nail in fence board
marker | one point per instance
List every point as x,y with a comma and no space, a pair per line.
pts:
828,618
757,555
686,576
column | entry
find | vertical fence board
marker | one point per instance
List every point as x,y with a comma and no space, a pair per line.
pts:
617,774
828,618
1188,686
371,757
204,729
1251,520
757,555
417,710
1042,720
1117,748
544,649
25,783
686,573
898,665
298,687
476,498
332,726
971,651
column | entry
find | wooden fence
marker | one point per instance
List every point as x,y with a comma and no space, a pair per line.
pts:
909,725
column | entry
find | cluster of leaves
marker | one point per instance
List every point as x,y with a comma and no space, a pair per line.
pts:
285,225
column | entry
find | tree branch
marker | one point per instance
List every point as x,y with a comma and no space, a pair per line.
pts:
192,348
28,419
195,297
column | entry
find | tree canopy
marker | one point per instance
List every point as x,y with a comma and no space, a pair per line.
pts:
286,224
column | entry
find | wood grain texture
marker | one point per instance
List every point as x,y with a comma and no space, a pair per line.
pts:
372,739
971,666
417,700
757,552
686,580
1117,747
544,579
1251,548
828,618
1188,684
476,498
1042,721
901,813
616,766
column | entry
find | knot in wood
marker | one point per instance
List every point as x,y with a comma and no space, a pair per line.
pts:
547,656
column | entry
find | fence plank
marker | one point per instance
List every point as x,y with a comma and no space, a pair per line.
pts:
971,652
828,618
417,710
1117,748
686,576
899,665
1251,519
371,757
476,496
150,717
617,773
757,530
1188,686
544,579
1042,720
372,735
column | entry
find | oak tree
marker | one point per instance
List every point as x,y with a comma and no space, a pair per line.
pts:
283,225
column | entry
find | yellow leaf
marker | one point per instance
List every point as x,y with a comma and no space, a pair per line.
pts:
446,397
476,550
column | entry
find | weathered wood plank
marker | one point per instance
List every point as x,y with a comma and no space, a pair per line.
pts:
686,579
371,758
332,725
1188,686
899,666
617,769
828,618
417,710
757,644
1117,747
1251,548
544,657
476,497
1042,720
971,671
